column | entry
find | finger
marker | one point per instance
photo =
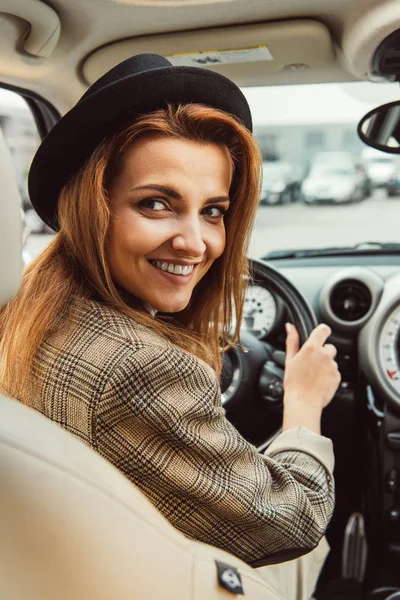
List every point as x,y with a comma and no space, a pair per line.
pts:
330,349
292,340
320,334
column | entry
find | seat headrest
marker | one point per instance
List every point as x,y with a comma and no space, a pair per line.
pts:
11,227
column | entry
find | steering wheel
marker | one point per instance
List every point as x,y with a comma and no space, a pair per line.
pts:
252,379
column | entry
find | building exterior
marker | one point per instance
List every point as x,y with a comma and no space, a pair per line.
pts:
297,144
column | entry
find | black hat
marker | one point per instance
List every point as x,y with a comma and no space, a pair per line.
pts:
138,85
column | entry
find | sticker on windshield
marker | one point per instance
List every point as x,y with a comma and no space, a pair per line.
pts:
208,58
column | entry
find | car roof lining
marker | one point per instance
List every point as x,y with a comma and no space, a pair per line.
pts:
129,26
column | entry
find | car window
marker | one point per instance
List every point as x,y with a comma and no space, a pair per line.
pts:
341,192
22,138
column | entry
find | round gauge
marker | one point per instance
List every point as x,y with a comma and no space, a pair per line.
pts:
389,350
259,311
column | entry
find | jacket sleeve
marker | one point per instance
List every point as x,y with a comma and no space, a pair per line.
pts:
160,421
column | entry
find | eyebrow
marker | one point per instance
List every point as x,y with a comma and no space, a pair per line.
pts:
164,189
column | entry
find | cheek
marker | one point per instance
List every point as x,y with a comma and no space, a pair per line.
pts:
131,233
118,240
124,244
216,241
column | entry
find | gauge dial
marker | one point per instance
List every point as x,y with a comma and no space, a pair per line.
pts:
389,350
259,311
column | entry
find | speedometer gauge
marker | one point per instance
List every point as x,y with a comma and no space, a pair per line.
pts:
388,344
259,311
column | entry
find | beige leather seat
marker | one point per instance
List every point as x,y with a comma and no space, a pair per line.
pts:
71,526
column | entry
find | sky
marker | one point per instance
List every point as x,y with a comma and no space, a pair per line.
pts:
317,103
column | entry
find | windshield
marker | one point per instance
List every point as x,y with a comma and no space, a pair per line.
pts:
340,192
322,186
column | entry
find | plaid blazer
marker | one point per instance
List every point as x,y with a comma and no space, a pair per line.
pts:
154,411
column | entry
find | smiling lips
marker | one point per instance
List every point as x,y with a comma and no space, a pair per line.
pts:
174,269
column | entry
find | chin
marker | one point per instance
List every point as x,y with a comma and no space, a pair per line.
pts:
172,309
169,307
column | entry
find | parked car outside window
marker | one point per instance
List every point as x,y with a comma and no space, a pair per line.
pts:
333,183
380,167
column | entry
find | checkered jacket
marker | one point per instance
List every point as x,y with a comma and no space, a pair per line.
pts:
154,411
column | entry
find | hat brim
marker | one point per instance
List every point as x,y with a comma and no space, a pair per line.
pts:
98,116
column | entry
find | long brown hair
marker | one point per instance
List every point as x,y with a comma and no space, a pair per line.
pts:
74,264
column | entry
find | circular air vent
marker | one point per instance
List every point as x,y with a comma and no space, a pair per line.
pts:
350,300
349,297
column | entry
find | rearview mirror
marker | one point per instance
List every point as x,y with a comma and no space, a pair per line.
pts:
380,128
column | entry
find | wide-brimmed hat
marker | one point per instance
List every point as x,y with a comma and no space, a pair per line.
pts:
138,85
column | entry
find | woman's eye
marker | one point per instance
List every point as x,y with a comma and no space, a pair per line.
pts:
152,204
215,211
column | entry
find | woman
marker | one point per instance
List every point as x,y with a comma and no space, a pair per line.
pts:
152,180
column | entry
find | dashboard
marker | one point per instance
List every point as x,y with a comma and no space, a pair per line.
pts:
358,297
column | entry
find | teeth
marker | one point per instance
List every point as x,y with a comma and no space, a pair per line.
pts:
172,268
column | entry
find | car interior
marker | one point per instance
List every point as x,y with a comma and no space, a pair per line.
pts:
71,525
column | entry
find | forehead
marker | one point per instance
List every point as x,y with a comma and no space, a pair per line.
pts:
165,155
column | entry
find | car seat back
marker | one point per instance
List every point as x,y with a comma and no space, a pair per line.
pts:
74,528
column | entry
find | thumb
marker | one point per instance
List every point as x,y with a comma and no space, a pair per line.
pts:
292,340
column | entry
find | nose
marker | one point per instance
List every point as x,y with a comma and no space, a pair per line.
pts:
189,237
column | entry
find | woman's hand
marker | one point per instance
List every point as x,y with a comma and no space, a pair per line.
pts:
311,377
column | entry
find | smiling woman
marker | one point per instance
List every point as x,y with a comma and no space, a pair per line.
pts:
117,329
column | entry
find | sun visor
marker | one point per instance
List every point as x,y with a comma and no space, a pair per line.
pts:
272,53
